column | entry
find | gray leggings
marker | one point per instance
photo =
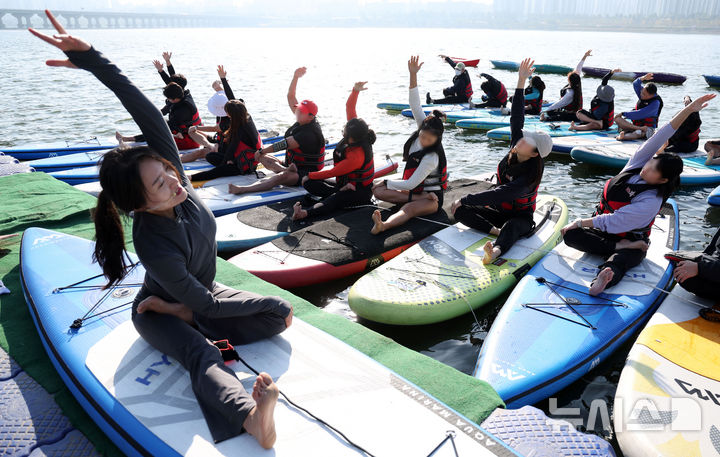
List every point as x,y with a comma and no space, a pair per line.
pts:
223,400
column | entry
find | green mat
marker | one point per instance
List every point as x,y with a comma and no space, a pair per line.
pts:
36,199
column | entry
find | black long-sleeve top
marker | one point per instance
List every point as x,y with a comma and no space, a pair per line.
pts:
460,82
179,254
523,176
709,261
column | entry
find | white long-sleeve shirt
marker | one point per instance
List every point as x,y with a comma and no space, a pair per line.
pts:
569,94
429,162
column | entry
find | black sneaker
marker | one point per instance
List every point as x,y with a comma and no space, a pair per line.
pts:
428,100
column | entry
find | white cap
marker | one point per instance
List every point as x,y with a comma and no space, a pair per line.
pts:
216,104
540,140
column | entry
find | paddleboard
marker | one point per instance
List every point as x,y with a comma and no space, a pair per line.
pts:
403,106
69,161
550,332
714,198
51,149
143,400
443,276
565,144
695,172
665,403
556,129
91,174
490,122
539,68
255,226
713,81
343,245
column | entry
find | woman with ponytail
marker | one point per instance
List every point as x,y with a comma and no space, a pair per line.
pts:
353,168
571,99
425,175
619,230
180,309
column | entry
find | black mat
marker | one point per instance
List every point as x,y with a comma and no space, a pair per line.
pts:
346,238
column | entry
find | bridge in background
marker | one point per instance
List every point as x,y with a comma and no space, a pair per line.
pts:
101,20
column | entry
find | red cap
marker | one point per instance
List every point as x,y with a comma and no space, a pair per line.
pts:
308,107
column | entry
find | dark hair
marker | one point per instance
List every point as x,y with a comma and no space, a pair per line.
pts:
239,117
173,91
122,192
485,86
576,85
670,167
359,131
179,79
651,88
537,83
434,123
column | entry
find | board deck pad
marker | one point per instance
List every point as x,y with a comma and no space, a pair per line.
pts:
136,389
550,333
665,400
353,229
561,129
443,276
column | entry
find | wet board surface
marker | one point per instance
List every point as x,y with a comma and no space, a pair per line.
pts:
556,129
665,402
549,334
490,122
443,276
343,245
57,148
565,144
143,400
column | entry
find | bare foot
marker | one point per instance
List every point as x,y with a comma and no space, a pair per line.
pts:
118,137
158,305
621,136
292,167
494,231
233,189
348,186
260,423
572,126
298,212
601,281
491,253
379,225
627,244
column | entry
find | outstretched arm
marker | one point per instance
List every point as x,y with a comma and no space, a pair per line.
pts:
166,57
81,55
353,98
450,62
161,71
517,111
414,66
226,86
291,97
579,67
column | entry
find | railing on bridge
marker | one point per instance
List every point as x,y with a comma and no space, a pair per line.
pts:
96,20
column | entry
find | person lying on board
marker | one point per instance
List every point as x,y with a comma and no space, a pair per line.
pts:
495,94
699,273
460,92
643,120
571,99
533,95
712,148
507,209
180,308
619,230
353,168
602,108
304,144
687,137
208,136
424,179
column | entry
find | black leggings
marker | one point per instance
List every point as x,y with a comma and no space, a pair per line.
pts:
221,170
492,103
559,115
333,198
594,241
513,225
701,287
450,99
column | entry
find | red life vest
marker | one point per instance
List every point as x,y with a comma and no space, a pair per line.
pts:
363,176
306,161
502,95
524,202
573,106
651,121
618,193
694,136
245,156
439,177
609,117
183,128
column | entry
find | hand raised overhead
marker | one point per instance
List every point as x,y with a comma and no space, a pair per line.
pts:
62,41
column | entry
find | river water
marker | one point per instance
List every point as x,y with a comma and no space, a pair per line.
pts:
45,104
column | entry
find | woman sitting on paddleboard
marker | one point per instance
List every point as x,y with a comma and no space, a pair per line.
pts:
533,95
353,168
496,95
236,145
620,228
460,92
304,145
602,108
571,100
179,308
506,210
425,175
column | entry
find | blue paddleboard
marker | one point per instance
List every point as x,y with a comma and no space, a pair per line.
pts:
555,130
550,332
56,148
714,197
